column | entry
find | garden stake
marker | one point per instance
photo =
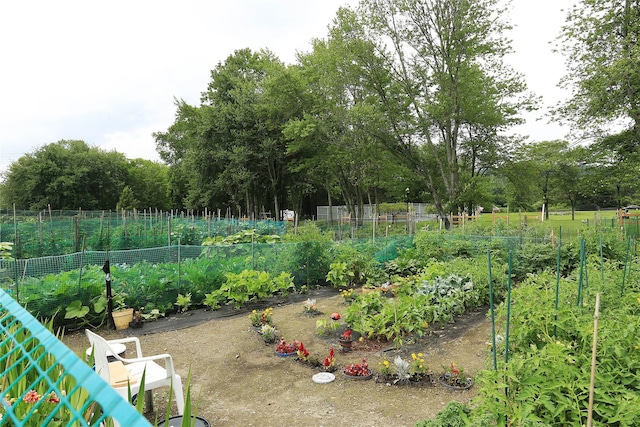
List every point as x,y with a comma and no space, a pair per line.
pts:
493,318
506,338
586,269
601,263
579,299
593,360
560,237
179,262
624,270
555,325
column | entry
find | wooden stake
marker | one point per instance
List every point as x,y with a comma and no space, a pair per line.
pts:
593,360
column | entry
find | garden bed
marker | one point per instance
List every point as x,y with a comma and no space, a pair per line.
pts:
240,381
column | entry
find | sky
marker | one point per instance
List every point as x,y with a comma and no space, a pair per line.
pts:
108,72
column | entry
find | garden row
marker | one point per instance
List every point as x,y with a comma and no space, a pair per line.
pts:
541,373
414,372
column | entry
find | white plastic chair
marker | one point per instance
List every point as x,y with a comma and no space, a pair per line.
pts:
155,375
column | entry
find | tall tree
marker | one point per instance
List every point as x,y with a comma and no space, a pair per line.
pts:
600,41
334,127
446,80
232,144
67,174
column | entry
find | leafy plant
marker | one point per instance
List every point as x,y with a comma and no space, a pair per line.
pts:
323,326
339,275
184,302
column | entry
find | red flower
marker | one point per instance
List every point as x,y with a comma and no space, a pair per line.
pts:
455,371
285,348
32,396
53,398
358,369
335,316
302,352
328,361
346,335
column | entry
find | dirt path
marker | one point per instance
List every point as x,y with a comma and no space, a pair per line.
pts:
239,381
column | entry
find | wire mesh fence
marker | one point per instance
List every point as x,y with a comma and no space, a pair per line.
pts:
45,383
44,233
154,277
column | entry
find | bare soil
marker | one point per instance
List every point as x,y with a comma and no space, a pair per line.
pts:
237,380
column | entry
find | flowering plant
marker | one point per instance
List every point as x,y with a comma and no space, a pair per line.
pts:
45,405
348,295
385,368
309,307
329,361
261,318
418,366
346,335
455,377
286,348
25,394
454,372
303,353
358,369
268,333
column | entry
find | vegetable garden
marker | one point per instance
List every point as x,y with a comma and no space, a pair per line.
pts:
541,293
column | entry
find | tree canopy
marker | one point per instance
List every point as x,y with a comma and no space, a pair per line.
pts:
69,174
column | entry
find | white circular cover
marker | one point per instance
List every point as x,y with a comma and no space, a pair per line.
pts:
323,377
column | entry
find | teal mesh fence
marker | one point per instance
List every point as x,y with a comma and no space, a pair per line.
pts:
45,383
37,234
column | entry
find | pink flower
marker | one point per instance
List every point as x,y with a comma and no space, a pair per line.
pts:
53,398
31,397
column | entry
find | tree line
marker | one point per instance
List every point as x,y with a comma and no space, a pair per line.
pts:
403,100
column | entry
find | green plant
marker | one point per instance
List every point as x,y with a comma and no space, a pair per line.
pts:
309,307
264,317
30,395
153,314
339,275
326,325
88,314
454,415
268,333
184,302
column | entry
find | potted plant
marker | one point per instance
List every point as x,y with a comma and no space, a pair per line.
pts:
268,333
138,320
307,358
264,317
329,362
402,372
358,370
284,349
121,314
455,379
309,307
346,340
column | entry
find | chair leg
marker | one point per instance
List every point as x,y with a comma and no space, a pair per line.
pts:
179,395
148,401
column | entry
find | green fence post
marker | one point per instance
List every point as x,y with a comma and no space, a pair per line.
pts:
493,318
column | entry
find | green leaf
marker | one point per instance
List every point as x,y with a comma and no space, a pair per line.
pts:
76,310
